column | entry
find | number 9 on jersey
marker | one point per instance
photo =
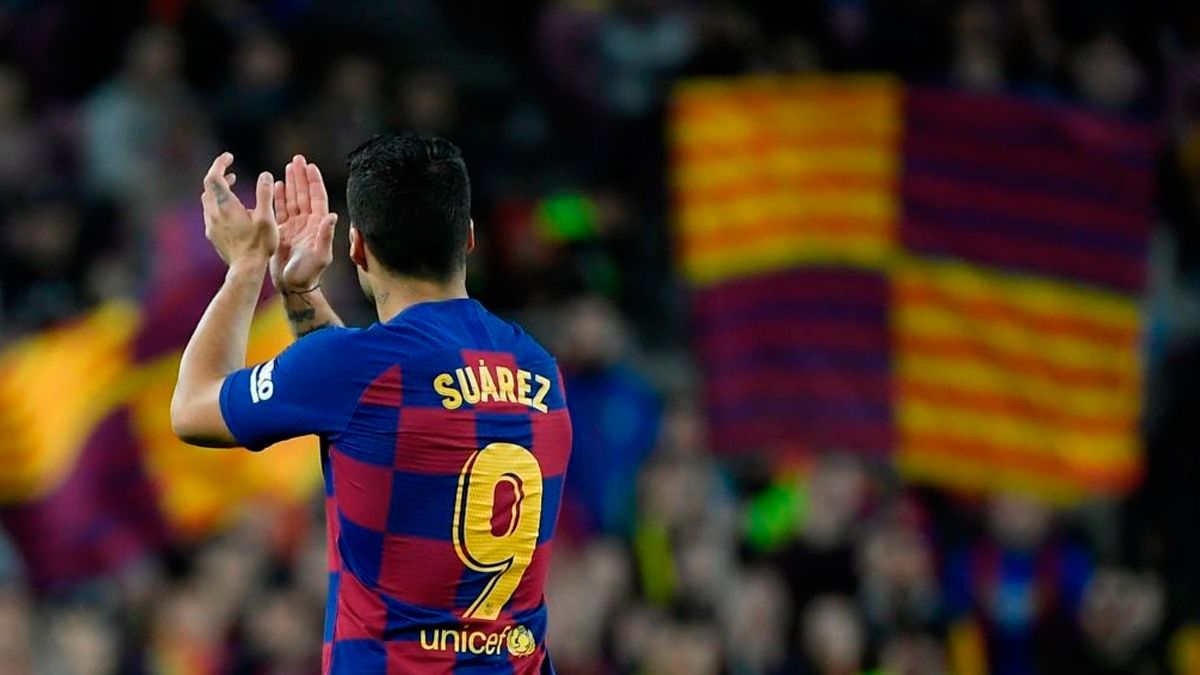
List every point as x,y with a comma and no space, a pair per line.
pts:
501,544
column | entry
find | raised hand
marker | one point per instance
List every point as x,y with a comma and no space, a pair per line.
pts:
238,233
305,228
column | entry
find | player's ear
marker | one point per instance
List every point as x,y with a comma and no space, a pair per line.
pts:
358,248
470,235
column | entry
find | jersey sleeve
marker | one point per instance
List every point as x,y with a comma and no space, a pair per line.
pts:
305,390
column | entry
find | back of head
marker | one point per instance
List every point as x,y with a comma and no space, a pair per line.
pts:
410,198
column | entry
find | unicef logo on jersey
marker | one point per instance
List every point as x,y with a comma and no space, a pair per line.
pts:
518,640
261,386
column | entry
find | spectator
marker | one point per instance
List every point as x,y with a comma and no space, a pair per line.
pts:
427,101
689,645
282,636
899,592
615,419
832,637
821,560
83,643
1107,74
23,147
756,622
258,94
143,136
16,631
978,59
586,586
1120,614
1023,583
348,109
912,654
640,46
40,261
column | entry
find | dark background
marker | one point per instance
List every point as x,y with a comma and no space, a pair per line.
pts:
669,561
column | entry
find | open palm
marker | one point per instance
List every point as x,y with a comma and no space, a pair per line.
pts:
305,228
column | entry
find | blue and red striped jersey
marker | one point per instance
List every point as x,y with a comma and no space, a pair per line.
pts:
444,444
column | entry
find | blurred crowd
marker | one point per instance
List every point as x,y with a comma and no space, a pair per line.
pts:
669,560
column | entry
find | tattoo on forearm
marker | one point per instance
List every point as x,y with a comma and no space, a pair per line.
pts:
301,315
313,329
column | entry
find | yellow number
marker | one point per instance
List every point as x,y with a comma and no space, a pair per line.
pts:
505,556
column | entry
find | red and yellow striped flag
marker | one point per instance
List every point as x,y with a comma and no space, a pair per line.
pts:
55,387
772,173
949,278
203,490
1010,381
94,475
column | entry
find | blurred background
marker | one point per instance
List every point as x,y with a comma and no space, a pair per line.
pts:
879,322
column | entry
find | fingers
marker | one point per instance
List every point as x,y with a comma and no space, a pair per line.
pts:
218,184
303,198
280,195
325,231
289,175
230,179
264,206
206,200
209,205
216,172
318,196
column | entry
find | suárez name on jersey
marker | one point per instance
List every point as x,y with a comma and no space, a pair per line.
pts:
484,383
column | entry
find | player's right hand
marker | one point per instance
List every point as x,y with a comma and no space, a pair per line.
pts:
238,234
305,228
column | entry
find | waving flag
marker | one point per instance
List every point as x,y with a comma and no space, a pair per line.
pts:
946,278
94,476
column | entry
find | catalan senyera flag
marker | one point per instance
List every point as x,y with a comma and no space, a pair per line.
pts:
94,476
948,279
73,496
774,174
201,490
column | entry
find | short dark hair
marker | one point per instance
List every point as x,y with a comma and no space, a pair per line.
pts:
410,197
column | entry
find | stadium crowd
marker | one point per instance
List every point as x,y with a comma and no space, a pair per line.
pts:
670,559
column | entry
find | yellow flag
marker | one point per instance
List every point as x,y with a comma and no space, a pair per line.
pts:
204,489
55,386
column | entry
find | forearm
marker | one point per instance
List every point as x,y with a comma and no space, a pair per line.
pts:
307,312
216,349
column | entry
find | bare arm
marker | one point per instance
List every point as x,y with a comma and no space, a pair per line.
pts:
217,348
308,311
245,240
305,247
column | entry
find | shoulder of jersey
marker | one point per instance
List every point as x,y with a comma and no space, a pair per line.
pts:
338,342
332,335
524,341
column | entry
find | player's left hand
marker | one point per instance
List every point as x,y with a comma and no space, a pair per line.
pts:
306,228
238,234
